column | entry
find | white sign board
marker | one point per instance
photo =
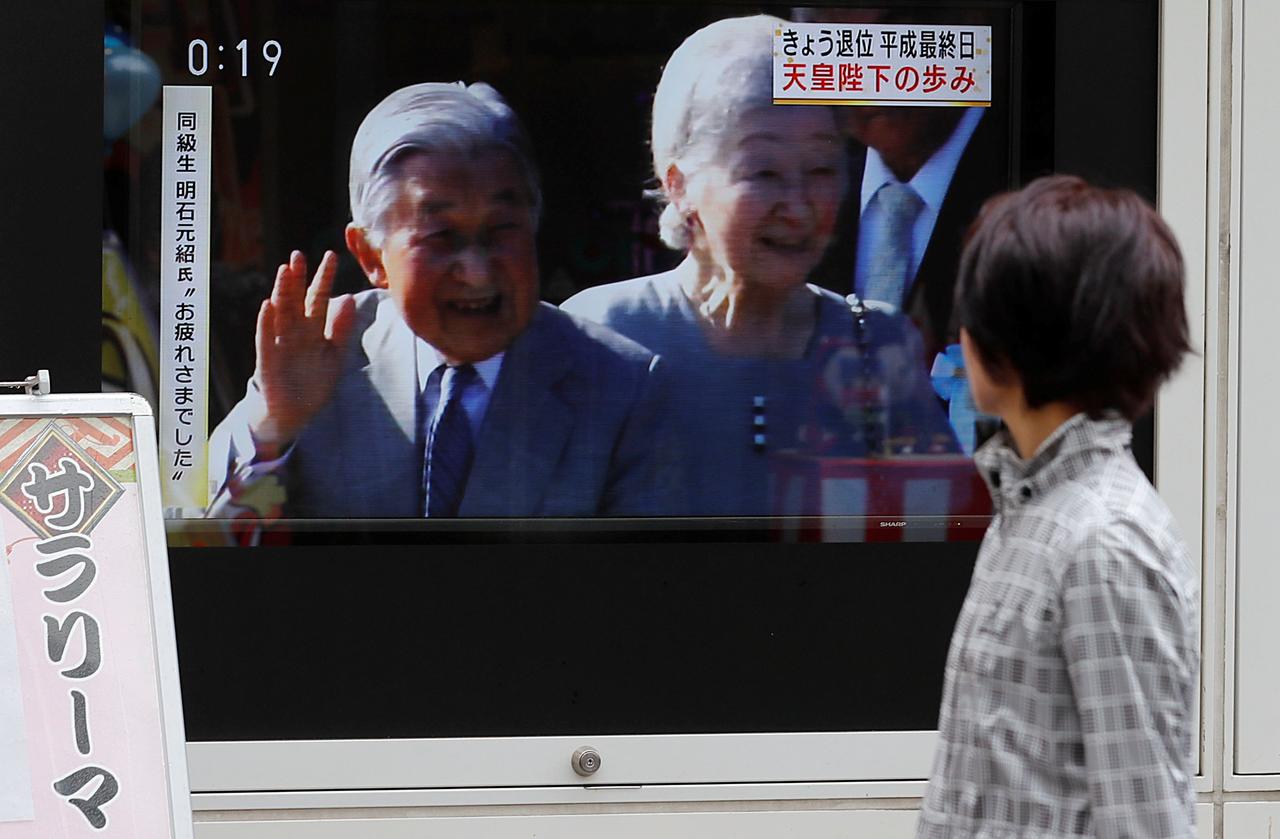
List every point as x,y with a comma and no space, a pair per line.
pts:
881,64
15,772
91,735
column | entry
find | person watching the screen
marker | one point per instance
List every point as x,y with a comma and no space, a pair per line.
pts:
750,192
448,388
1068,706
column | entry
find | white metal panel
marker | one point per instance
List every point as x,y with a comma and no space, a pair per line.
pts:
873,795
1257,451
1182,457
881,824
1204,821
1251,820
1252,784
1219,208
877,823
1183,194
1231,68
507,762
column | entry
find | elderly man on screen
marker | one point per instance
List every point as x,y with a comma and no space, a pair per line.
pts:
447,389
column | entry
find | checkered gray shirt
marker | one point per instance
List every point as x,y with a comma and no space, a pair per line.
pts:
1068,706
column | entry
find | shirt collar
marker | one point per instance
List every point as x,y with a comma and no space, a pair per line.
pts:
1065,454
934,177
429,358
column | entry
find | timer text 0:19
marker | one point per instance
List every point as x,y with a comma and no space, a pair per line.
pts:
198,56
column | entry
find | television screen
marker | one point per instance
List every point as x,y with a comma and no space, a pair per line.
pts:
543,349
646,332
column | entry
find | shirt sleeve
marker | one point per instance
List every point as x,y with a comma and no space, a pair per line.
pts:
255,489
1129,638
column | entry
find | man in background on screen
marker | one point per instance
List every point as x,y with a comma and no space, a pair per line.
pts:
447,389
917,176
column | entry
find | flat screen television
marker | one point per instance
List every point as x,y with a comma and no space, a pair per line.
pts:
323,649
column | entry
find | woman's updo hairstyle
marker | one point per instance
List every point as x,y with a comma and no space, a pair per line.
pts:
718,73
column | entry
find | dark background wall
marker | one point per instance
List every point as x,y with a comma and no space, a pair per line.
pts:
50,192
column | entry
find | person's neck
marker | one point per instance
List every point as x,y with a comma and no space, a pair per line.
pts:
746,318
905,166
905,160
1030,427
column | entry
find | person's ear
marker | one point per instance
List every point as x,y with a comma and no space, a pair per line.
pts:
676,187
369,257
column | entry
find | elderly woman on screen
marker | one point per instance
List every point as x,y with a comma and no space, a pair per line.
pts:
750,191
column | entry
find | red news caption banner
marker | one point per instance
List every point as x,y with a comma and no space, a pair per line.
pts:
82,751
881,64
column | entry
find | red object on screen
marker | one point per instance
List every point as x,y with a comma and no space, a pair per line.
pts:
925,498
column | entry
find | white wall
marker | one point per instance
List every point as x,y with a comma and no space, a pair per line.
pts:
1256,453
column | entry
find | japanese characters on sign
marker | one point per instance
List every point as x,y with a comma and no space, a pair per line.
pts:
881,64
184,297
62,496
89,647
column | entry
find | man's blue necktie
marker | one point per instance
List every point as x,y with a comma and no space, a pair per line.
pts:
888,276
450,448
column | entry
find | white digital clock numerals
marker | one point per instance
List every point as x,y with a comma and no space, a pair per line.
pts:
272,51
198,56
198,47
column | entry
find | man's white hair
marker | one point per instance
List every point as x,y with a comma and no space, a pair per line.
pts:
718,73
432,116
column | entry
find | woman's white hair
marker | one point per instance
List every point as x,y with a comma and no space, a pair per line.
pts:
718,73
433,116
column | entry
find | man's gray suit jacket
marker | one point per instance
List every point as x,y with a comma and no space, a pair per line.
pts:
571,428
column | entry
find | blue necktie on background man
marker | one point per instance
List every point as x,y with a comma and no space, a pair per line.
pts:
889,277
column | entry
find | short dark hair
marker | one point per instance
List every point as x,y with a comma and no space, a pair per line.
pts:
1078,290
